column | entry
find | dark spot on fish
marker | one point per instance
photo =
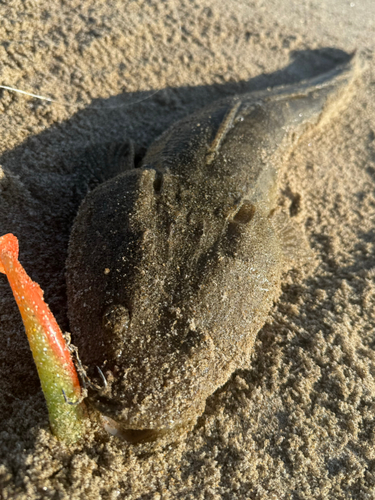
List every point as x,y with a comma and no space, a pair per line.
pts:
245,213
158,182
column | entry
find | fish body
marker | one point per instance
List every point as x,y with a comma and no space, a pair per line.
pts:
174,266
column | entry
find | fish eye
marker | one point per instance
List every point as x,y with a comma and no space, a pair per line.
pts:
245,213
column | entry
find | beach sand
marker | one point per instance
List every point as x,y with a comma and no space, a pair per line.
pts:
298,421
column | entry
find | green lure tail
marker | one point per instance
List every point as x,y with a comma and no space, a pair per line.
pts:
58,376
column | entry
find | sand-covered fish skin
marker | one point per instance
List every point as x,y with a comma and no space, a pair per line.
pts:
174,266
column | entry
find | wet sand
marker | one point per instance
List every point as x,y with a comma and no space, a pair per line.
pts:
298,421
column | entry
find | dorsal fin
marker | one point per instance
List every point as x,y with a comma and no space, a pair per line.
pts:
222,132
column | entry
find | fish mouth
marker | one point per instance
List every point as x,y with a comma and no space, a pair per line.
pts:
132,436
108,417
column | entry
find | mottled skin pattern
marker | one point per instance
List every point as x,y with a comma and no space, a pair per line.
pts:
174,266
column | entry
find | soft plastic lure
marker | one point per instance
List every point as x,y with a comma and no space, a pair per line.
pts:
52,357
